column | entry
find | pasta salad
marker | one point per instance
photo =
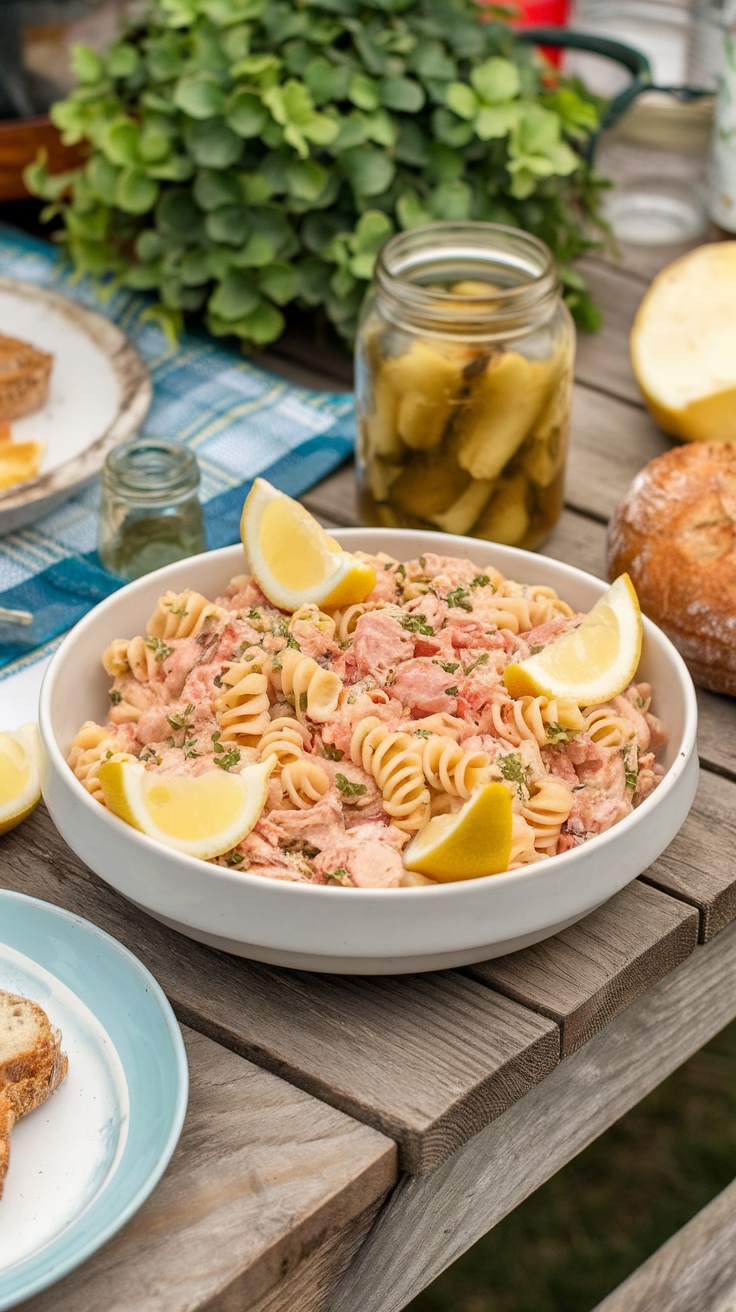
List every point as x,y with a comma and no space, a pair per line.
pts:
377,716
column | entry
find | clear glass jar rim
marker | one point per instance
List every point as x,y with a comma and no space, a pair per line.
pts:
151,470
418,249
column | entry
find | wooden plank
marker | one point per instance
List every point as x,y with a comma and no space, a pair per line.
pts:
428,1223
426,1059
587,974
602,359
696,1268
306,1288
263,1175
699,866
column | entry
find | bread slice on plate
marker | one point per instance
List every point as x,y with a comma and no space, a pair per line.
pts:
32,1065
24,377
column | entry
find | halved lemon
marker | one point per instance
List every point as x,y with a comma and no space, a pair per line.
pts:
682,345
20,784
294,561
202,816
470,843
591,663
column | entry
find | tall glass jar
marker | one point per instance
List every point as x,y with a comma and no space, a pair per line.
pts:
150,513
463,380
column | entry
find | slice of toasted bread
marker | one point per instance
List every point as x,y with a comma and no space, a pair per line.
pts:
7,1121
24,377
32,1064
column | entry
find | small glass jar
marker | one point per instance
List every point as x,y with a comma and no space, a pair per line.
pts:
150,513
463,379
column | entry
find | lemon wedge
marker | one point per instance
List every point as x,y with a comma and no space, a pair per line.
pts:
203,815
470,843
20,461
294,561
591,663
682,345
20,784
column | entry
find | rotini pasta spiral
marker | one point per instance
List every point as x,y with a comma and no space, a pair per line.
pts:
182,615
144,659
91,746
308,618
242,711
315,691
546,811
396,766
304,782
449,769
115,658
346,618
523,851
546,721
285,739
606,728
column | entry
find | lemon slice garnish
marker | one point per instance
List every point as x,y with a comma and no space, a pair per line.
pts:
682,345
472,842
20,784
293,560
202,816
591,663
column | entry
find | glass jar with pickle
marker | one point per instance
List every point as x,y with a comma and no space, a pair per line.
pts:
463,379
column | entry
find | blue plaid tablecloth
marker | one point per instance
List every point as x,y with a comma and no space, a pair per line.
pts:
240,420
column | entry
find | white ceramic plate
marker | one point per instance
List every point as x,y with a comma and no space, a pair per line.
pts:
99,394
83,1162
361,931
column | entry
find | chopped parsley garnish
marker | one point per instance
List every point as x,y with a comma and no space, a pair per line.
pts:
115,697
183,721
482,581
448,666
641,703
158,647
459,597
338,875
216,737
234,858
332,753
422,733
416,624
480,660
254,614
276,661
453,691
179,610
348,788
148,754
108,755
401,572
303,701
630,775
217,680
513,769
228,759
557,734
534,651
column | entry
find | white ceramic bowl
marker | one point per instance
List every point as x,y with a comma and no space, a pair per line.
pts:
359,931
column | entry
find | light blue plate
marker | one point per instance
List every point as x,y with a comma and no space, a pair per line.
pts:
85,1161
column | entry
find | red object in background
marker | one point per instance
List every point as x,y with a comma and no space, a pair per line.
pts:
538,13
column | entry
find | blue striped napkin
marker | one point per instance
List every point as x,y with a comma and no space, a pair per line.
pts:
239,419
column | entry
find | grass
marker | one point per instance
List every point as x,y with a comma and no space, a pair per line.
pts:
592,1224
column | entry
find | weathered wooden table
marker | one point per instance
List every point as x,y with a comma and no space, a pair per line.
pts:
348,1138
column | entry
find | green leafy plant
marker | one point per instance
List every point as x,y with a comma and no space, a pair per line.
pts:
246,155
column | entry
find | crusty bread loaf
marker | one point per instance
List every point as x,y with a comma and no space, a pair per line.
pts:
674,532
24,377
32,1065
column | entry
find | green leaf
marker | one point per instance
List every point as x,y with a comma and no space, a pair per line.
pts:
262,326
279,282
135,192
149,246
256,68
177,168
258,250
496,80
306,178
122,61
103,179
462,100
430,60
225,13
142,277
539,131
451,201
450,130
495,121
194,270
170,322
229,225
411,211
153,145
412,146
120,142
177,215
372,230
236,296
326,81
199,97
363,92
213,188
87,65
369,171
401,93
246,115
213,144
